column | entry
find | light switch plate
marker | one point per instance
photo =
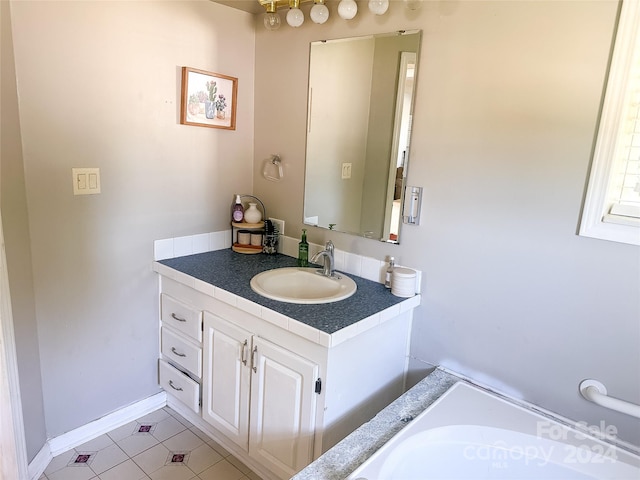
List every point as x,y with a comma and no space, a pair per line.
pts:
346,171
86,181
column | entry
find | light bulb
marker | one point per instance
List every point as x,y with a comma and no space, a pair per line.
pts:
319,13
412,4
295,17
271,21
347,9
379,7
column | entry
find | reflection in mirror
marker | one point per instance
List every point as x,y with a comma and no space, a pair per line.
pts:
361,93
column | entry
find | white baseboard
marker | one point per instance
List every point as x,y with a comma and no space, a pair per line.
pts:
67,441
40,462
80,435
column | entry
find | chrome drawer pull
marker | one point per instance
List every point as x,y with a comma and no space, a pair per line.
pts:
254,359
175,352
243,358
175,317
174,387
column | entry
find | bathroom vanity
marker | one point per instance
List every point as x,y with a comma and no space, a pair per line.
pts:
275,383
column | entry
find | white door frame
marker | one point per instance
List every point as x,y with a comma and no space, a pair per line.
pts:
406,59
13,450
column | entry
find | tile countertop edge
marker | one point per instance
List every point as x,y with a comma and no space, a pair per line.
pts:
346,456
299,328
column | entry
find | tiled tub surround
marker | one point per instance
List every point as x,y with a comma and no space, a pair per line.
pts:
358,349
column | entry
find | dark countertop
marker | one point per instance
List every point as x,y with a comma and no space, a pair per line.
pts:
232,271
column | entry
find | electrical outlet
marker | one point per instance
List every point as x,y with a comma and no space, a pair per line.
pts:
279,224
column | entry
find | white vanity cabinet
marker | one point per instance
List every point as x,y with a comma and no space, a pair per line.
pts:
275,392
262,396
181,350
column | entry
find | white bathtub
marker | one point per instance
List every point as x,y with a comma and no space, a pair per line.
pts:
470,434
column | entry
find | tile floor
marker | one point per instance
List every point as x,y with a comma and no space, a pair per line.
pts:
158,446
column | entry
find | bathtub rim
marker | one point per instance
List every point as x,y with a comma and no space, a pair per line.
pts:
506,402
340,461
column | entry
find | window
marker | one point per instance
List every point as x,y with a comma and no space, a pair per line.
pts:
612,204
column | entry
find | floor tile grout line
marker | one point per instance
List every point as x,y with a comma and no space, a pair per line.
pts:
185,425
149,475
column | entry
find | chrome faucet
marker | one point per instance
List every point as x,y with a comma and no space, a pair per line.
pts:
328,262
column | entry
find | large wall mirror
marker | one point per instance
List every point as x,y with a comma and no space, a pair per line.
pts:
360,106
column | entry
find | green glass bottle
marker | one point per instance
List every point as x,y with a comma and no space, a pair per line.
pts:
303,250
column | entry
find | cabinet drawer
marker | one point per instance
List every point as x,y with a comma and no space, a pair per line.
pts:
180,386
182,317
182,352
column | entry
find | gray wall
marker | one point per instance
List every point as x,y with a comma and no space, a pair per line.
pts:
98,86
508,96
13,202
507,105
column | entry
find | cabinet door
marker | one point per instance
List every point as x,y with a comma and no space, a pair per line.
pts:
283,403
226,378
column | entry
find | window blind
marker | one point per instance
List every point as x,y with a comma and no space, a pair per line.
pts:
624,189
611,209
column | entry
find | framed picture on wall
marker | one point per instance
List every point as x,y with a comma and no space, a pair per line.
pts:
208,99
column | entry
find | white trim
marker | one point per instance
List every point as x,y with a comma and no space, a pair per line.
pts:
40,462
67,441
622,220
13,448
406,58
596,205
83,434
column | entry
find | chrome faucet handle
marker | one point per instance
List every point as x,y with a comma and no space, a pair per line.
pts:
329,247
328,261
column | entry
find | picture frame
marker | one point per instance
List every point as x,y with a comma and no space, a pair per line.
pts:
208,99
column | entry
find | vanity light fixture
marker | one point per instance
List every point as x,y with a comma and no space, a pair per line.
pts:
412,5
271,18
319,12
295,17
347,9
379,7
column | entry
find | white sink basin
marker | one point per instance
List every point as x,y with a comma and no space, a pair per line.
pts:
302,285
